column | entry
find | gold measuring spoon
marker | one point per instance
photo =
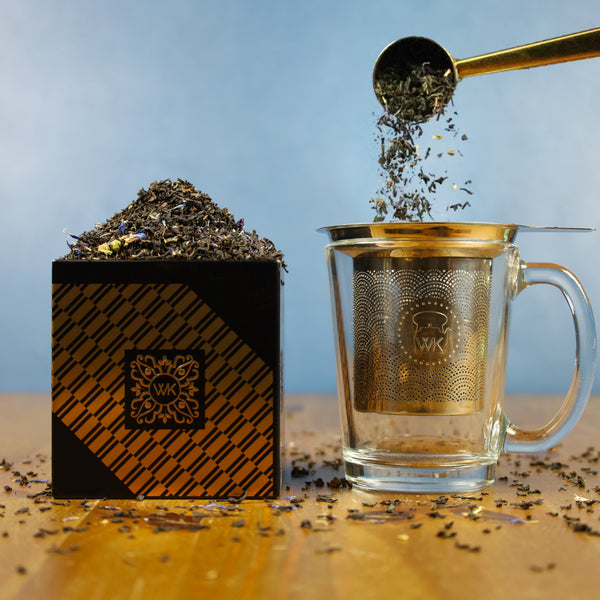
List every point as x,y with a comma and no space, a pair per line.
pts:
403,55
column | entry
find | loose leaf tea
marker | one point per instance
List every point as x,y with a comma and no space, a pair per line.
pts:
415,93
172,220
410,98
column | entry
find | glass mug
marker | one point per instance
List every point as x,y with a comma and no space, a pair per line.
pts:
421,314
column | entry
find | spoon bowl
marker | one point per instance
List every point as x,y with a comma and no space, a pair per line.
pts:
404,55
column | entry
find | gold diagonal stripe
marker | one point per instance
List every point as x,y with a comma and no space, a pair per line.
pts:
212,329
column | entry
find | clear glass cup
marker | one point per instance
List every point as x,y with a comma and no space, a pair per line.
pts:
421,314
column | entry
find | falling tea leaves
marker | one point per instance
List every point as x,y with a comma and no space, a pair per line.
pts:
409,178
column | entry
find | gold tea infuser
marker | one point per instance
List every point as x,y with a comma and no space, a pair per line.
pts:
406,53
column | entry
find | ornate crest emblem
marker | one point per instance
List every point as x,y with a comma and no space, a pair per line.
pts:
165,389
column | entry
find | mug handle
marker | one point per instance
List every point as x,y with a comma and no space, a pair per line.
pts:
543,438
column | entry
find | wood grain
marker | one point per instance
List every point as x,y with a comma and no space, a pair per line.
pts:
303,544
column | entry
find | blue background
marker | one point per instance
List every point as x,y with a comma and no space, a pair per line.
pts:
268,107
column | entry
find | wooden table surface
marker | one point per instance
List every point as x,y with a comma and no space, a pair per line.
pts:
534,534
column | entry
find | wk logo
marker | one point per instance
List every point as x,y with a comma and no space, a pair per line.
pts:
429,344
164,389
431,334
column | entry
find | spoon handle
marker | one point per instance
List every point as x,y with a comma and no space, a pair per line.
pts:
585,44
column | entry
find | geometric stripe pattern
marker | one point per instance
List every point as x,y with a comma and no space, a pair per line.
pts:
93,324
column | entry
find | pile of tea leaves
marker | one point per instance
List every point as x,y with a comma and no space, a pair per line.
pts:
172,220
415,101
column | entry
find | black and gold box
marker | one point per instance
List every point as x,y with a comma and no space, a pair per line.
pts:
166,379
